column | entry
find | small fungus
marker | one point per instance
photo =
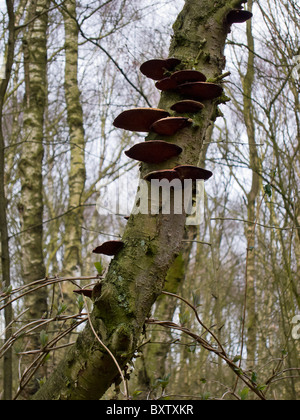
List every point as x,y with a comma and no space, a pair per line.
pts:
192,172
200,90
110,248
170,126
84,292
156,151
238,16
139,119
156,69
187,106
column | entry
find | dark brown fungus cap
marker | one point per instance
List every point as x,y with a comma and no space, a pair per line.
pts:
238,16
193,172
166,84
168,174
110,248
200,90
185,76
155,69
85,292
187,106
154,151
170,126
139,119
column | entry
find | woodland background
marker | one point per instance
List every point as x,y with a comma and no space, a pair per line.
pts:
71,76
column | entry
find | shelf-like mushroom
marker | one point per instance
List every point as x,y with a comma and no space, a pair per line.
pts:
193,172
170,126
200,90
167,174
84,292
110,248
154,151
166,84
156,69
238,16
139,119
185,76
187,106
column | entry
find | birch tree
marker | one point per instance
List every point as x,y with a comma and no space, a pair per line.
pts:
31,161
73,223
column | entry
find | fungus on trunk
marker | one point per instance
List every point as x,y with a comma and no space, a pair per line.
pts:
84,292
139,119
187,106
154,151
110,248
171,125
193,172
156,69
200,90
167,174
166,84
180,77
185,76
238,16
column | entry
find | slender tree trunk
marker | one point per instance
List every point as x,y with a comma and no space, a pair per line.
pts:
252,197
72,263
136,276
31,164
5,258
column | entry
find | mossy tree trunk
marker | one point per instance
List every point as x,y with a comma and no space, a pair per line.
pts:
31,163
152,364
136,276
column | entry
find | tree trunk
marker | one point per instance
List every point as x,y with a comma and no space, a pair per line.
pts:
31,164
136,276
72,263
252,197
153,361
5,257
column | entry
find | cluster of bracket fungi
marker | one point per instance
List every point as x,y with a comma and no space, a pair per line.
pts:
192,85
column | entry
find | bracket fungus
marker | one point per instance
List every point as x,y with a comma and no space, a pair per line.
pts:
110,248
200,90
156,69
185,76
84,292
166,84
187,106
139,119
167,174
170,126
238,16
180,172
193,172
154,151
180,77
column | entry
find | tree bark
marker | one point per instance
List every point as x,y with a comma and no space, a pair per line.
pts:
252,198
5,257
72,262
136,276
31,164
